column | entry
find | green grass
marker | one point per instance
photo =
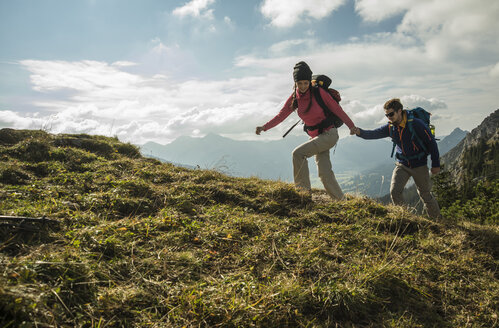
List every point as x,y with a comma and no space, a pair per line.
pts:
146,244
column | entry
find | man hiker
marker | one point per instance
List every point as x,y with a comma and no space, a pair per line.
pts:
412,153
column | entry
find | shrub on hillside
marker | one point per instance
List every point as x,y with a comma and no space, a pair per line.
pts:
13,176
482,208
11,137
96,146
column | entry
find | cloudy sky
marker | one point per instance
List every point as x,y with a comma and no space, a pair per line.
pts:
154,70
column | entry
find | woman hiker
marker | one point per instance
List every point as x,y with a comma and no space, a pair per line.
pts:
319,144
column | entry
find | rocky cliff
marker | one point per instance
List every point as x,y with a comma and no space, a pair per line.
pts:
476,156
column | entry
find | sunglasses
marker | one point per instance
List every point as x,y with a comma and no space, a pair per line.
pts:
390,114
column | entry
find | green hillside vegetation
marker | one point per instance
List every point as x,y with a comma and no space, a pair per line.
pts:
482,160
476,198
140,243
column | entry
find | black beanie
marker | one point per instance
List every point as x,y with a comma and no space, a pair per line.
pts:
302,72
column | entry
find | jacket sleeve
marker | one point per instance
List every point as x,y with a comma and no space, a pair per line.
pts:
428,139
285,111
381,132
335,108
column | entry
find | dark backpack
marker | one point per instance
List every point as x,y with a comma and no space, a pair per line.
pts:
424,116
323,81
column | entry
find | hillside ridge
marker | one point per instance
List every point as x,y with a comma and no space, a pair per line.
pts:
142,243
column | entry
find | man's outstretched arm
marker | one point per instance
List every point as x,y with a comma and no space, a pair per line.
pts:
381,132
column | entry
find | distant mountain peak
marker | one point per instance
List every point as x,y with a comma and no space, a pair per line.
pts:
457,130
214,136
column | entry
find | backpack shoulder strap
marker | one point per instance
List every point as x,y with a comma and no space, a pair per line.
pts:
414,135
391,132
320,101
410,117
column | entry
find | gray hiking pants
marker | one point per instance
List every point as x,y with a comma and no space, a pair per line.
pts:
318,146
421,176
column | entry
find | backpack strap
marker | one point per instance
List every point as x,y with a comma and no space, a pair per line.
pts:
320,101
391,132
414,135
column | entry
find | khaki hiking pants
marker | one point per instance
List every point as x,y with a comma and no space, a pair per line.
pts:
318,146
421,176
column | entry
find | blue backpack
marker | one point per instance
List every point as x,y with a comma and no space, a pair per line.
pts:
424,116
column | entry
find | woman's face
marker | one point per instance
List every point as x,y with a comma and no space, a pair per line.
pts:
303,85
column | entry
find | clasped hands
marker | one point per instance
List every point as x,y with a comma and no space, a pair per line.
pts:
354,130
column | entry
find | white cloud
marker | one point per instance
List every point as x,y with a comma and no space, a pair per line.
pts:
430,105
167,60
195,8
289,46
159,48
228,21
363,115
124,63
378,10
83,76
460,29
10,118
494,72
447,29
286,13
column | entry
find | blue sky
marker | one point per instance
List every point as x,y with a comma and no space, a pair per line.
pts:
153,70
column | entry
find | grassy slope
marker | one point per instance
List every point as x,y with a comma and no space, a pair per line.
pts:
145,244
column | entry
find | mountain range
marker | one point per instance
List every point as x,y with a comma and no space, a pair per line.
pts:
359,165
263,159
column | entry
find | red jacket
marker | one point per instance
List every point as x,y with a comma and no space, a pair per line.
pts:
315,114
